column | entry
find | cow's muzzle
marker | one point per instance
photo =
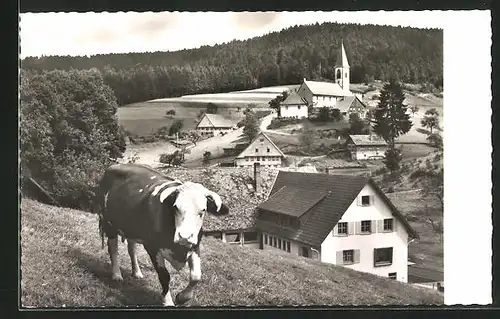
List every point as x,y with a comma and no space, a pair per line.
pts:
185,240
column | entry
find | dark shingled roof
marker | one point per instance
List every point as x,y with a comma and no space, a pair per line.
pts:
292,201
339,192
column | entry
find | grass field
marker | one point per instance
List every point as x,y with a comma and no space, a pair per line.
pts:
63,265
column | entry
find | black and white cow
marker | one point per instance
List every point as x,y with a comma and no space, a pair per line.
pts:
165,215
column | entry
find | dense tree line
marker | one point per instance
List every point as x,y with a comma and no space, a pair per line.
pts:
68,133
285,57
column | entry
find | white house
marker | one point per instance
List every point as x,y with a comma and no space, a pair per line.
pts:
327,94
365,147
338,219
293,106
214,124
261,150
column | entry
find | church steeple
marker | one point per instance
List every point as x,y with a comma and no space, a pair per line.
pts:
342,76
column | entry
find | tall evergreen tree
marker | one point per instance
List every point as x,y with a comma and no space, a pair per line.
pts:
390,119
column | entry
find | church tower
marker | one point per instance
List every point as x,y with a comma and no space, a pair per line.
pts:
342,71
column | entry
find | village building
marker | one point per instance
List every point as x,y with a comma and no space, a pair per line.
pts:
261,150
352,104
294,106
338,219
366,147
214,124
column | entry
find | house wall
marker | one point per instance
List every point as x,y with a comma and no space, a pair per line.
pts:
212,131
320,101
364,153
267,161
295,111
295,247
398,239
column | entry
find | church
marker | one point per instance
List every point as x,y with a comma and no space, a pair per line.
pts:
336,95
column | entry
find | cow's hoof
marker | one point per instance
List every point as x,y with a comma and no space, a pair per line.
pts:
181,298
138,275
117,277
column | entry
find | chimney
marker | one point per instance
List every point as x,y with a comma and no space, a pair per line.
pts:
256,177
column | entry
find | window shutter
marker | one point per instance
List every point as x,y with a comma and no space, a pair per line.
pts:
350,228
394,224
374,256
336,230
356,256
380,226
372,200
358,200
340,258
358,228
374,226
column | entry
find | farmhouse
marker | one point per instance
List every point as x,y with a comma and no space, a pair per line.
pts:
351,104
338,219
261,150
326,94
214,124
364,147
425,277
293,106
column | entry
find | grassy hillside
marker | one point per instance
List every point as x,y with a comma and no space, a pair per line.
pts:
62,264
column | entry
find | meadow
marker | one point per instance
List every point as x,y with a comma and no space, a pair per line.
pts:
63,265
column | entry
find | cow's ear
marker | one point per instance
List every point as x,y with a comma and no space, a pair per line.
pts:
215,205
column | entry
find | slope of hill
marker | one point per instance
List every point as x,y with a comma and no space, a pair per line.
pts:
278,58
63,265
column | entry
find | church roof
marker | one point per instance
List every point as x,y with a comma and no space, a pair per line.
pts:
342,58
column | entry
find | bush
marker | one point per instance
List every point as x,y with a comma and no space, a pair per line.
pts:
68,133
418,173
280,122
435,140
175,159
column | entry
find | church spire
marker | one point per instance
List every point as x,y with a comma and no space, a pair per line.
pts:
342,57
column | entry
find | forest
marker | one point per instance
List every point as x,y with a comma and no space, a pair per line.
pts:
375,52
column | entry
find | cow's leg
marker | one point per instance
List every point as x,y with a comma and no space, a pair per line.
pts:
132,251
194,277
163,275
113,254
112,235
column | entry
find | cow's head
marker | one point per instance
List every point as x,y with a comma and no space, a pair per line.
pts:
190,202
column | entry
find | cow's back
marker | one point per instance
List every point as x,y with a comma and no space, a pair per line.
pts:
131,202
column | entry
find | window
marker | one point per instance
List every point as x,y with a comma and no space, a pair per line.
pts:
279,243
298,107
265,239
388,224
365,200
382,256
348,256
268,150
287,246
346,75
286,107
275,242
342,229
256,150
339,74
393,275
366,226
261,140
233,237
250,236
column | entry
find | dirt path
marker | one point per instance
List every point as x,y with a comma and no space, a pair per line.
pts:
266,121
214,145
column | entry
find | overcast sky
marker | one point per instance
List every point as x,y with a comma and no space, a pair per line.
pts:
96,33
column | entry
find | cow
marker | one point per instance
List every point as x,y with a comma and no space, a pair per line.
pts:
165,215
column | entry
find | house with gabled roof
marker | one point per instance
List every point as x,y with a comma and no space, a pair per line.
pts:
261,150
294,106
348,105
214,124
366,147
338,219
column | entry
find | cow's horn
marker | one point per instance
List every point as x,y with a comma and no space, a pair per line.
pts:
215,197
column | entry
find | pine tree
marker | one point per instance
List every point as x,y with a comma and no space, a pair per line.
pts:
390,118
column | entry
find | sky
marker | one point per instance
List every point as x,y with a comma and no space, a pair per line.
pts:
99,33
